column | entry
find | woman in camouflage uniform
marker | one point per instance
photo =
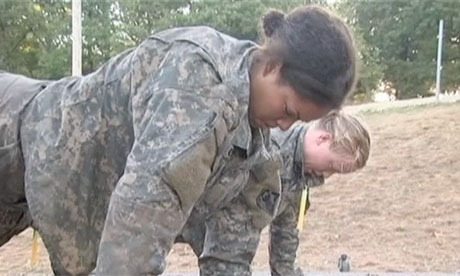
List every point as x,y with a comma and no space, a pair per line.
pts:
336,143
108,166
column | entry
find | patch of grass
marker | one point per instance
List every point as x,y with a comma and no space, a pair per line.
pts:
408,108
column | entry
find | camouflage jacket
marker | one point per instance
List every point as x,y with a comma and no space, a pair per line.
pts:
115,160
230,237
284,236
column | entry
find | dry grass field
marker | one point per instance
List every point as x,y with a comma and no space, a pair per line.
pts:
400,213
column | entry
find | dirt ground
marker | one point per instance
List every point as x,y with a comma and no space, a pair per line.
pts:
400,213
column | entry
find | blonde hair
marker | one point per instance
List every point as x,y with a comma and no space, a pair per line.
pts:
350,135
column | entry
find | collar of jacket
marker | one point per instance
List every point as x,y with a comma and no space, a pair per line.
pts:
299,137
290,143
240,79
307,179
250,139
243,136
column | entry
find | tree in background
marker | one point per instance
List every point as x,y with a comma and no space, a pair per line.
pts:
25,37
370,67
403,37
397,40
36,34
238,18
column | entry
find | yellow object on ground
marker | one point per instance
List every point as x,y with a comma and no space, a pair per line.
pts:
304,205
35,249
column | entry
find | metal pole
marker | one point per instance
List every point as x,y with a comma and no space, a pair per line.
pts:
76,38
439,67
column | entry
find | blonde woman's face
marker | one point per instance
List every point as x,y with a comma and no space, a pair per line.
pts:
320,160
275,104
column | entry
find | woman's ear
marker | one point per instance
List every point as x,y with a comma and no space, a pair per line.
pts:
324,137
271,67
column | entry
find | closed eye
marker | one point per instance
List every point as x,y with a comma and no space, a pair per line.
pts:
286,109
290,112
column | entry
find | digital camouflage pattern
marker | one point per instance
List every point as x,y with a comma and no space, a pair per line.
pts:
230,237
116,160
16,92
284,235
212,236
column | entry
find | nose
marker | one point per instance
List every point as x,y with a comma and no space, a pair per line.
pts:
285,124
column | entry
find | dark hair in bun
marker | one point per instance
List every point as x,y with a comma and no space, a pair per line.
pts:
272,21
315,50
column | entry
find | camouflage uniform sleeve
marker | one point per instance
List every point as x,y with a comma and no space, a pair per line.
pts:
193,234
284,240
177,136
233,233
231,241
165,174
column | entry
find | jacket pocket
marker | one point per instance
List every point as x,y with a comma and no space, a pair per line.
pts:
188,172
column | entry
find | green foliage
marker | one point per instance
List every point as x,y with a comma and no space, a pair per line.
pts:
36,35
238,18
98,32
397,40
140,18
19,43
403,37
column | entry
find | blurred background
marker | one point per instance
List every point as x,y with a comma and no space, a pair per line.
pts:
397,39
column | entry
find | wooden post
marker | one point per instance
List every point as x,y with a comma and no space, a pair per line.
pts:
439,65
35,249
76,38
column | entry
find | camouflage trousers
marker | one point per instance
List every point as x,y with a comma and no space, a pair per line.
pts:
14,212
13,220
